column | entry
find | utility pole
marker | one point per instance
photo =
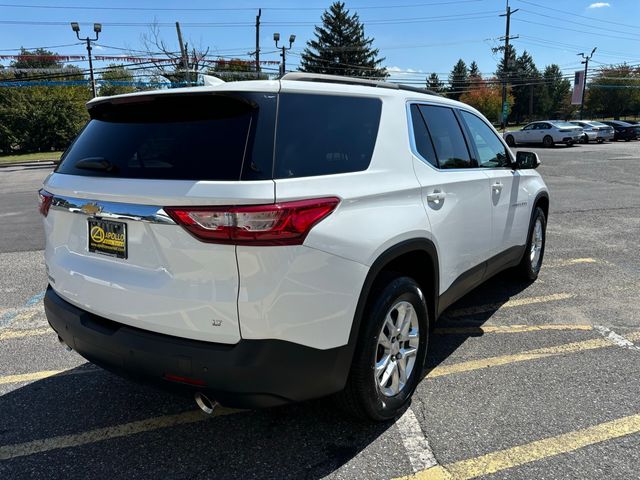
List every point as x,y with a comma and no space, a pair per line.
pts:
258,40
283,64
97,28
584,86
505,79
183,54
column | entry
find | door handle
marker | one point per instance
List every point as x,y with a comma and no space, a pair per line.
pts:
436,196
497,187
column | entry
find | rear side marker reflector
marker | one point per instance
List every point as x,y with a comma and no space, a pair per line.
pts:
45,199
187,380
286,223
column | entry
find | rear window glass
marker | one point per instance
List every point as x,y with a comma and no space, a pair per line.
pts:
325,134
178,137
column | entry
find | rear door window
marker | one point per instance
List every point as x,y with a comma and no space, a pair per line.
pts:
325,134
177,137
448,139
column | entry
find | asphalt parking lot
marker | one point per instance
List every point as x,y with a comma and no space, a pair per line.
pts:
527,381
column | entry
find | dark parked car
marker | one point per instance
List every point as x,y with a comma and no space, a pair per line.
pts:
623,130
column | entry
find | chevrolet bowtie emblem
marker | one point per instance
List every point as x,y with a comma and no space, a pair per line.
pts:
90,208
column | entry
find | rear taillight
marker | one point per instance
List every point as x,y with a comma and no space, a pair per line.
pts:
286,223
45,199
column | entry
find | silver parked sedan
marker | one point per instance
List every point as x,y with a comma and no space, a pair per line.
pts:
594,131
548,133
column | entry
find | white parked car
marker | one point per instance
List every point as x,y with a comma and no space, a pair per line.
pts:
266,242
547,133
594,131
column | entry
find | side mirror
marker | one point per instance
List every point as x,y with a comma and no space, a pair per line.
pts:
526,160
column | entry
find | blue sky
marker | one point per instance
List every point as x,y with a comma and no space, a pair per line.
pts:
416,37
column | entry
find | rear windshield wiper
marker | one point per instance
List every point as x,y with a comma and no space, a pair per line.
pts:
96,163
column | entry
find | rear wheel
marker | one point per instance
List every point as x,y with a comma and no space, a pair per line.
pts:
391,352
584,139
534,250
511,141
548,141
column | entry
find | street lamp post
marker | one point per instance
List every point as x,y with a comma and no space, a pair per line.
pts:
276,38
584,87
97,28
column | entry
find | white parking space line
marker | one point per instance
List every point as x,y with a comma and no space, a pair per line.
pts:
617,339
415,443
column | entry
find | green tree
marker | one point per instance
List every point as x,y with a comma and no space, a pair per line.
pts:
558,92
434,84
614,90
114,79
236,69
486,96
458,80
506,72
340,47
474,72
37,114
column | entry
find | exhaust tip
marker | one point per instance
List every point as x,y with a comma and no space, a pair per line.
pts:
63,343
205,403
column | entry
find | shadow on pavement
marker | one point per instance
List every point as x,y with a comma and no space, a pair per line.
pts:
309,440
493,293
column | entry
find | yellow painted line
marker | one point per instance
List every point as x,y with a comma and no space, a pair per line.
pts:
8,334
633,336
28,377
8,452
531,452
519,357
516,302
436,372
572,261
507,329
28,314
32,377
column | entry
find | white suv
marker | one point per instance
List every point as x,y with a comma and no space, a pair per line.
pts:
267,242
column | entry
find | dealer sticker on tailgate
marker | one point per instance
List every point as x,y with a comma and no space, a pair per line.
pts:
107,237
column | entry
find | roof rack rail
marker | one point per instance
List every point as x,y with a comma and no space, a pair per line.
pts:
320,77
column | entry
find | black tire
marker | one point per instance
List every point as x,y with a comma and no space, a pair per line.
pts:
510,141
585,139
526,269
548,141
600,140
362,397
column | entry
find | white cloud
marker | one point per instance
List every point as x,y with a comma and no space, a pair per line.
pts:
404,74
599,5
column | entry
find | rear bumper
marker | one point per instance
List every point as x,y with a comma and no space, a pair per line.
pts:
249,374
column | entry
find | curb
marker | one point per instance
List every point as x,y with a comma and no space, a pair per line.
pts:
28,164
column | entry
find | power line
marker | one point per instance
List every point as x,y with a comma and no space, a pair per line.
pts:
40,48
546,7
565,29
219,9
396,21
582,24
